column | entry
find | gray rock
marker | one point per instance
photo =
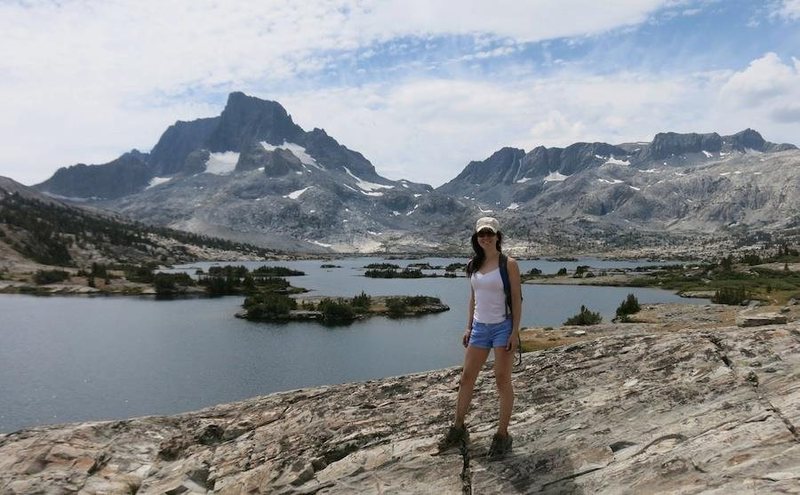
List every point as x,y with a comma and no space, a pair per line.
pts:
760,319
678,412
126,175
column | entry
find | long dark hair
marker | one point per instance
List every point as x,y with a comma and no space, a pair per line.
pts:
475,263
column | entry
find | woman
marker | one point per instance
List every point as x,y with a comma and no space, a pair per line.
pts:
491,324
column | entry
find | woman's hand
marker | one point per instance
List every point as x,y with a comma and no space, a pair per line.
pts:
465,337
513,341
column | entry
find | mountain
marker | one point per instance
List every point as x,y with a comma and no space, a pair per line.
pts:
251,174
35,228
677,182
512,175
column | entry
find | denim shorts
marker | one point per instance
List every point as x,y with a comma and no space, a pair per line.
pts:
489,335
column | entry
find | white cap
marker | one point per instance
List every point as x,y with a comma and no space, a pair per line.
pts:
490,223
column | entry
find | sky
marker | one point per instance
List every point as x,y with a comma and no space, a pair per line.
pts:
420,87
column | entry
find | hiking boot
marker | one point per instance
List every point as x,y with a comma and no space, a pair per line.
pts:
454,437
501,445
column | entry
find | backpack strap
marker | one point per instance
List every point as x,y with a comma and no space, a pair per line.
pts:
503,265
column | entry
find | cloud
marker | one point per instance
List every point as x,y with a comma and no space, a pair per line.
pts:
788,115
788,9
765,93
763,81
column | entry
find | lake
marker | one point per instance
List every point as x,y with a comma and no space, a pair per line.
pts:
75,358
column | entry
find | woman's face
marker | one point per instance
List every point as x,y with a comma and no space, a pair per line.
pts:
487,239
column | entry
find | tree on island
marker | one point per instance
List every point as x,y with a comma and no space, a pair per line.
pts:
585,317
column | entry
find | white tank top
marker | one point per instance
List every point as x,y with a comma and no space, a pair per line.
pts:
490,298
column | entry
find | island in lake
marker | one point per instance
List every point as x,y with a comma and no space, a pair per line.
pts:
273,307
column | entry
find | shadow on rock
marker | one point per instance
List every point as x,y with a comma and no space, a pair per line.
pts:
549,472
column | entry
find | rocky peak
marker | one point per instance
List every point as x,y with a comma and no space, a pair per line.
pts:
246,119
668,144
334,156
128,173
747,139
498,168
177,142
580,156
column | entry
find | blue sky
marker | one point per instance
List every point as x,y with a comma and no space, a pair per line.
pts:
419,87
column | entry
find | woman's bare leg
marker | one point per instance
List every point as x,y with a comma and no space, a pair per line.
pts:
473,362
503,363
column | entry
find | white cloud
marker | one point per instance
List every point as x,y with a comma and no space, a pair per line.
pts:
789,9
764,80
766,93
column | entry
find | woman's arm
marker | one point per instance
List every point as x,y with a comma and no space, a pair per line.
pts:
516,303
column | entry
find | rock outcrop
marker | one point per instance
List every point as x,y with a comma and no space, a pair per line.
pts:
760,319
696,411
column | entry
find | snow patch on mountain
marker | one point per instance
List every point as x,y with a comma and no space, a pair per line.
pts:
523,180
297,194
555,177
614,161
157,181
367,186
512,206
296,150
222,163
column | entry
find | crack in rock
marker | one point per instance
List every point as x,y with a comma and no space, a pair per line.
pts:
721,352
672,436
466,471
570,477
752,377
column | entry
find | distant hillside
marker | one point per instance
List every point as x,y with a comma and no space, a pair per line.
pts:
49,232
